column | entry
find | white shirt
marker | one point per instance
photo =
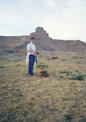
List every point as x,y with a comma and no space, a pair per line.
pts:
30,47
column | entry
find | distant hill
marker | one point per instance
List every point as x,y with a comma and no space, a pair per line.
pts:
10,44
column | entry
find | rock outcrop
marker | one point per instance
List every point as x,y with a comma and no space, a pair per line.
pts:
11,44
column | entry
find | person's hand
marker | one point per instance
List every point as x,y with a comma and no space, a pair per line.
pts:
37,53
31,51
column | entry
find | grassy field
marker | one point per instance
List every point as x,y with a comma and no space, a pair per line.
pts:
61,97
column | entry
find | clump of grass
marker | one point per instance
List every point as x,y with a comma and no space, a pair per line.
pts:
2,82
2,66
46,106
17,60
63,59
68,117
2,115
77,77
65,72
31,106
17,89
77,57
77,71
42,65
19,94
18,65
61,77
78,62
1,59
31,103
3,87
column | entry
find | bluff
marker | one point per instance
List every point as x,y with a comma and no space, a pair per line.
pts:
16,45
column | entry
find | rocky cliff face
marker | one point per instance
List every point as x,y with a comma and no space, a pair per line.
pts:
42,41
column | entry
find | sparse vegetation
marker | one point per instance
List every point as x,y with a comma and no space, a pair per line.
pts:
53,99
1,66
42,65
77,77
2,82
65,72
63,59
68,117
18,65
77,57
61,77
19,94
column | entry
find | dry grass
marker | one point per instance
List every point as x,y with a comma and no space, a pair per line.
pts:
56,98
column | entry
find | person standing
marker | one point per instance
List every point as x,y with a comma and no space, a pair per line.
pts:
31,50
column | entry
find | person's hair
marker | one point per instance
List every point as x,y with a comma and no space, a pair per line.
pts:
32,38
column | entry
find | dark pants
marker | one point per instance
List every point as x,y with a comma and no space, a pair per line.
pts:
31,64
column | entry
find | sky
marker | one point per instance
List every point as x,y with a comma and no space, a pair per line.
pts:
62,19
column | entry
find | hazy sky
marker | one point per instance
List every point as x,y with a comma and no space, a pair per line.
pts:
62,19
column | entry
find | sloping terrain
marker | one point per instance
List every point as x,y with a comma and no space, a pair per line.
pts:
61,97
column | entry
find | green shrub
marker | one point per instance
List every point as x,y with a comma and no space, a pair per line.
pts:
18,65
65,72
19,94
2,82
77,77
2,115
17,89
77,57
2,66
61,77
63,59
68,117
1,59
42,65
77,71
